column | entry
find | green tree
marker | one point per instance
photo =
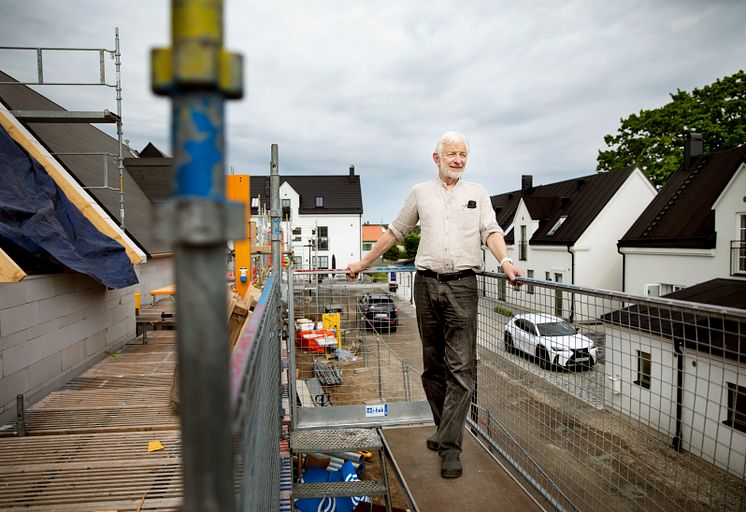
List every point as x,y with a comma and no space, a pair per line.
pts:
412,242
392,254
654,139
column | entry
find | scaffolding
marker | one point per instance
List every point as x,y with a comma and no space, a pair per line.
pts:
89,117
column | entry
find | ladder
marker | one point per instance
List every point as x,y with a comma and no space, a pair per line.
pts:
338,441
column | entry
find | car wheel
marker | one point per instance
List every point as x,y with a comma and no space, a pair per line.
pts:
542,356
509,346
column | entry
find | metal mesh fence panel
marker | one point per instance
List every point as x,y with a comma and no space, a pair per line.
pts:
606,401
256,383
357,354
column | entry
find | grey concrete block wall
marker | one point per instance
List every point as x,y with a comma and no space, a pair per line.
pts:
53,327
156,273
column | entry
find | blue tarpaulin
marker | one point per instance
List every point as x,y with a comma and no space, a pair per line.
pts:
43,231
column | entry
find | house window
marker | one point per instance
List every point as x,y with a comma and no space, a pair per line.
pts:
530,275
736,407
522,245
547,276
323,238
321,262
286,209
661,289
319,201
367,246
558,303
738,251
297,261
652,290
557,225
643,369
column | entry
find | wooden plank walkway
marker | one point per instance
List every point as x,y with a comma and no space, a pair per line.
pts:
87,444
485,486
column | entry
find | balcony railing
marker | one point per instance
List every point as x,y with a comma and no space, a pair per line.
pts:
738,258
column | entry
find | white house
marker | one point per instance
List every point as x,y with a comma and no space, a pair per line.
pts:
695,230
689,244
321,214
566,232
683,372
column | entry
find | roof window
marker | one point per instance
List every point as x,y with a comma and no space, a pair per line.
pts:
319,201
557,225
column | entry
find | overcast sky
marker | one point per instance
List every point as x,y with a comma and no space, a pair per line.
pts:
535,85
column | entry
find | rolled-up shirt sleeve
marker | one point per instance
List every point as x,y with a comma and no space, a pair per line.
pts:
407,218
488,221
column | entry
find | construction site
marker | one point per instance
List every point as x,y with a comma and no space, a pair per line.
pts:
172,337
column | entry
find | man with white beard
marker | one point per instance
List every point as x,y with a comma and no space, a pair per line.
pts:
456,219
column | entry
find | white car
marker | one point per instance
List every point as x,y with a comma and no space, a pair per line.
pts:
553,341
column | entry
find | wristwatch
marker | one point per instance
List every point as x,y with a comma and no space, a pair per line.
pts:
502,262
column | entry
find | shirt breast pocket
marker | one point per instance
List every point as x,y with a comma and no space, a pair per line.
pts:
468,221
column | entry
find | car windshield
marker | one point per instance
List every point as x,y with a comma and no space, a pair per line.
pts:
556,329
380,300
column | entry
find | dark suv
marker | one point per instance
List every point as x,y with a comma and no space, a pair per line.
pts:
378,311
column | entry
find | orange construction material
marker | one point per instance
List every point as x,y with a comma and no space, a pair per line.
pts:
238,189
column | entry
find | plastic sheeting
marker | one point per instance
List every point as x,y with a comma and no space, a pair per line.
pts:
43,231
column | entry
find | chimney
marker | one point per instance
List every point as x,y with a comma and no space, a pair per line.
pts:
694,147
352,173
579,183
564,201
527,182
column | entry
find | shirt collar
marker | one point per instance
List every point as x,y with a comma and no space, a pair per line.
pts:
443,185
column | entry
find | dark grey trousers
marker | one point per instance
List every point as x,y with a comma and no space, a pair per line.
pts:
447,321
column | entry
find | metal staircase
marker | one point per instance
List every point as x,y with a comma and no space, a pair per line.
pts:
333,441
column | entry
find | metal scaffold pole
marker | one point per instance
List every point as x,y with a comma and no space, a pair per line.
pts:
274,206
198,75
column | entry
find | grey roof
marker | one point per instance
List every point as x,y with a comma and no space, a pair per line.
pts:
681,215
341,193
84,139
580,199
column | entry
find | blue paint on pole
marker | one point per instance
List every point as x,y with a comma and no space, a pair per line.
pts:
195,174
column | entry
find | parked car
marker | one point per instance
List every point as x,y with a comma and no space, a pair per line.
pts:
379,311
552,340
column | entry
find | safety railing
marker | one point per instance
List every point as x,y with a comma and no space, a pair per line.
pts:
255,401
359,341
640,404
600,400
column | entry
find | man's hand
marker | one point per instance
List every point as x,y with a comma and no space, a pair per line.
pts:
512,272
353,269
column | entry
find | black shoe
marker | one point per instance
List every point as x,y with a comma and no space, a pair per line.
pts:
450,466
433,445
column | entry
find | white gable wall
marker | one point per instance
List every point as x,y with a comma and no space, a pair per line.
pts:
705,397
598,264
344,233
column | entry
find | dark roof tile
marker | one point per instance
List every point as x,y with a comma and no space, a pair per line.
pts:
681,215
580,199
341,193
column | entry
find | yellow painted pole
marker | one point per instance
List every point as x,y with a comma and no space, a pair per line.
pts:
238,189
